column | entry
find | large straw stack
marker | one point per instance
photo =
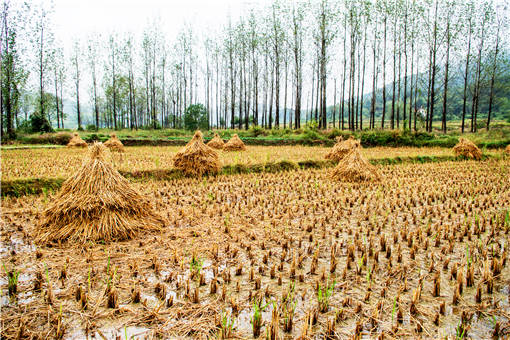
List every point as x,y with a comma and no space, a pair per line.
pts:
76,142
234,144
196,158
97,203
114,144
342,148
355,168
467,149
216,142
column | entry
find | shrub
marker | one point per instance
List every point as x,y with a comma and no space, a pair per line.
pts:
91,127
39,123
195,117
255,131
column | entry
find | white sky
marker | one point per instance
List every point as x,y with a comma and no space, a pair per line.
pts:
77,18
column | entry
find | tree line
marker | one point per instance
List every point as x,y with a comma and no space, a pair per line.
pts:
349,64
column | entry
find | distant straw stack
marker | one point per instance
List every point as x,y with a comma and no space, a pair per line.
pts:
467,149
234,144
76,142
114,144
355,168
97,203
342,148
216,142
196,158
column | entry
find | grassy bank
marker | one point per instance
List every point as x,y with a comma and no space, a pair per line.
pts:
497,137
35,186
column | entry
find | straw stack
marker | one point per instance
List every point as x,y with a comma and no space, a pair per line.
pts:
467,149
76,142
234,144
96,203
216,142
196,158
114,144
507,149
355,168
342,148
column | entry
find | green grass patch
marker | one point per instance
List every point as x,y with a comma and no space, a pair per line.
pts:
35,186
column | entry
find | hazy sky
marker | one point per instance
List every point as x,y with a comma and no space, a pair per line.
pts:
76,18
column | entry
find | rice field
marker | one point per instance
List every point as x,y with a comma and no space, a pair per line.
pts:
422,253
63,162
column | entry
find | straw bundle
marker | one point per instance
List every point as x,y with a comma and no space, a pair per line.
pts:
76,142
196,158
114,144
96,203
216,142
467,149
342,148
234,144
355,168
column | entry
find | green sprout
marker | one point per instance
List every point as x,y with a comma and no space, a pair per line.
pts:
196,264
394,309
12,278
227,324
324,294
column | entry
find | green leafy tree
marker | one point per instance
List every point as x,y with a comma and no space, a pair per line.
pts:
195,117
12,74
39,123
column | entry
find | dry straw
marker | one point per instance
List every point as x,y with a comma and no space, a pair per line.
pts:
76,142
507,149
342,148
216,142
234,144
467,149
114,144
355,168
97,203
196,158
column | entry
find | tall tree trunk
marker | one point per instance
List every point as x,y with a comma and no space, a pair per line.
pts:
317,94
384,75
270,118
466,72
404,112
41,72
416,89
343,77
363,79
392,118
476,96
433,80
445,93
56,98
411,85
399,76
374,79
285,97
334,105
493,77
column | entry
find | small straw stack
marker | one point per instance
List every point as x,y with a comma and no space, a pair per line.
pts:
96,203
216,142
342,148
355,168
234,144
196,158
76,142
467,149
114,144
